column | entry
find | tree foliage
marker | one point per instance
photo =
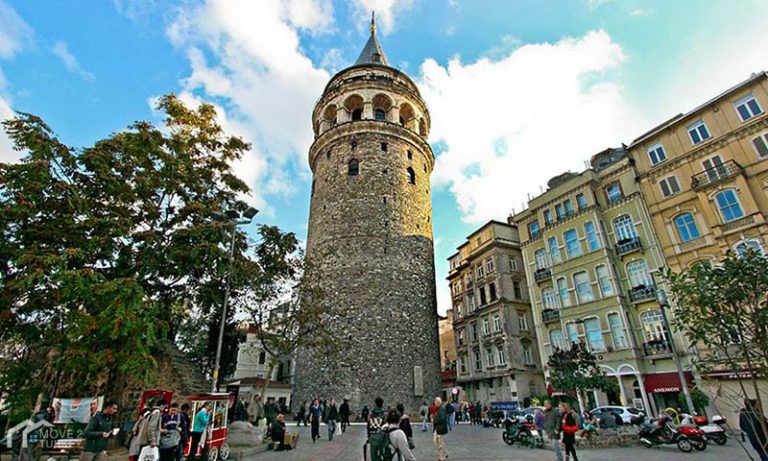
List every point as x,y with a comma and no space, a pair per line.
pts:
105,250
723,308
576,369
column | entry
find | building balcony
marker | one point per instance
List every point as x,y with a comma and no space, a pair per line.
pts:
715,175
550,315
626,246
657,347
542,274
642,293
738,223
693,243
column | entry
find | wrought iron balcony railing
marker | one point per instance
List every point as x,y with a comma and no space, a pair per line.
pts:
715,174
542,274
656,347
550,315
626,246
642,293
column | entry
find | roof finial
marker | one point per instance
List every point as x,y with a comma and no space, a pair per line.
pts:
373,22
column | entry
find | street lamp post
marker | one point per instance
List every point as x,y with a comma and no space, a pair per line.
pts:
232,217
661,297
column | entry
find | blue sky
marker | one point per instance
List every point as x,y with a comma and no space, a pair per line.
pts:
519,91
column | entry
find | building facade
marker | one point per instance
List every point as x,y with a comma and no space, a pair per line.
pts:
369,245
498,359
447,343
590,254
704,176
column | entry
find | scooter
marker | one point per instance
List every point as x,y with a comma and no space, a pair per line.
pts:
662,432
525,434
713,430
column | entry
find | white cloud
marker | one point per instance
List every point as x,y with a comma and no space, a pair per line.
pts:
7,154
596,3
135,9
61,51
640,12
15,35
509,125
386,12
246,56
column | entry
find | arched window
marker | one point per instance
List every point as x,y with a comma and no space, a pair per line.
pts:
540,256
380,114
329,115
592,241
354,105
556,339
624,228
686,227
353,167
747,245
728,203
357,114
572,245
653,326
549,297
638,274
411,175
381,105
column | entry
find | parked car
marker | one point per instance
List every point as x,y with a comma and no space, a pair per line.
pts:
522,415
628,414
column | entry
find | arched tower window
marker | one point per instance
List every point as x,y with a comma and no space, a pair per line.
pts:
422,127
354,105
353,167
406,114
381,105
330,115
411,175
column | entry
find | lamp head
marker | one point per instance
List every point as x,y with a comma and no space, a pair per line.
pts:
250,213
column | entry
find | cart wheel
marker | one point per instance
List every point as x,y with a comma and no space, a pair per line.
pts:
721,439
224,451
213,454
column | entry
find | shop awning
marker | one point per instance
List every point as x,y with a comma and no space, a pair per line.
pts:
665,382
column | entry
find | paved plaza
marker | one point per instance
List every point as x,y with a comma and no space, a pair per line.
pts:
473,443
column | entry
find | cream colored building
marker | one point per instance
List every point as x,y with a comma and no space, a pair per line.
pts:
447,344
590,254
704,176
498,358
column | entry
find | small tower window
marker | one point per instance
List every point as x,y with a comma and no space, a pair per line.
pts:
380,114
410,155
328,154
353,167
411,175
353,145
313,188
357,114
425,168
402,120
384,146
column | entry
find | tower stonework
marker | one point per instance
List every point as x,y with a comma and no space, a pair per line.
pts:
369,244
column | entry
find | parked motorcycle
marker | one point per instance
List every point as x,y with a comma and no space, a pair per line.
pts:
713,430
525,434
494,419
663,432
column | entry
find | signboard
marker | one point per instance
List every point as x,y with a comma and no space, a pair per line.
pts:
77,410
505,406
418,381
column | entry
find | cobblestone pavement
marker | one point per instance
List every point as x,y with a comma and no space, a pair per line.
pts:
473,443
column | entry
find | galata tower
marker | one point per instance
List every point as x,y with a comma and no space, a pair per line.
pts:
369,245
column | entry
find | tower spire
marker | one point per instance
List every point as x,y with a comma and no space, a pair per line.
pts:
373,22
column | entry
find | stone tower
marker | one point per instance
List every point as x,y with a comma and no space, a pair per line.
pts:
370,237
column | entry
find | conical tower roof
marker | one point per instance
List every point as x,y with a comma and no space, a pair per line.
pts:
373,53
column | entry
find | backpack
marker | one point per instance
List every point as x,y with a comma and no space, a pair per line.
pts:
375,422
381,449
449,408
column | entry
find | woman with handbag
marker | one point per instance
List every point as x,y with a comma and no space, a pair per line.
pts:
170,434
570,428
405,425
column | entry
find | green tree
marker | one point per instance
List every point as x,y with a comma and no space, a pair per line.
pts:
722,307
576,369
105,249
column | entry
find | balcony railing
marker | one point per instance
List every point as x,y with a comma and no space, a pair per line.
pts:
550,315
542,274
714,175
656,347
642,293
738,223
693,243
625,246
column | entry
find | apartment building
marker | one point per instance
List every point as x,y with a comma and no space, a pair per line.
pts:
498,359
590,257
704,176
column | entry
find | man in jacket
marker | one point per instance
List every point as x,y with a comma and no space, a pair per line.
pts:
154,422
424,413
199,426
315,415
333,415
440,425
344,415
553,425
753,423
97,432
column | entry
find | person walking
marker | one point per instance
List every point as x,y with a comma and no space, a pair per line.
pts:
184,429
478,413
451,410
344,415
538,419
97,432
170,434
752,423
364,413
271,411
424,413
333,416
440,428
570,428
199,426
553,425
154,422
301,415
316,416
405,424
137,434
377,417
397,436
